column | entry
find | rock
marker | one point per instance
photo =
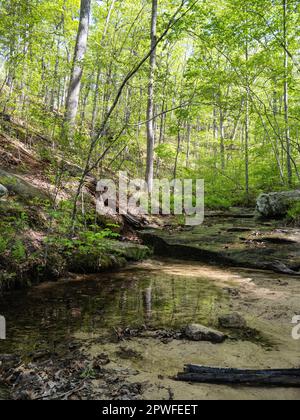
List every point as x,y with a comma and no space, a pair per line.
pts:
134,252
5,117
276,205
234,321
3,191
21,188
86,261
216,245
9,358
196,332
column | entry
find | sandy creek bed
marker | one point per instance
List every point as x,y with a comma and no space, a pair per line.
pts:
162,294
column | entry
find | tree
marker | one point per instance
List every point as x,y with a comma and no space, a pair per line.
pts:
286,94
77,67
220,113
150,107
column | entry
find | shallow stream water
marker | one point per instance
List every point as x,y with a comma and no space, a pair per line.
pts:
164,294
43,316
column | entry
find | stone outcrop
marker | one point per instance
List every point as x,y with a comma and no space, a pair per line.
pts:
15,185
263,246
276,205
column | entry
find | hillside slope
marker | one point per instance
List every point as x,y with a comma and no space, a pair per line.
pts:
35,240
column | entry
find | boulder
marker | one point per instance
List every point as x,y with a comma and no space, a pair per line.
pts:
15,185
232,321
196,332
3,191
276,205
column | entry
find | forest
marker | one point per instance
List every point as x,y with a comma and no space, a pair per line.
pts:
157,90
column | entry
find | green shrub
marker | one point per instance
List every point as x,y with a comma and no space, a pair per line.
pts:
18,251
3,244
294,214
217,203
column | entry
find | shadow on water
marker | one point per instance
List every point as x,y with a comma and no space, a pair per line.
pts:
48,315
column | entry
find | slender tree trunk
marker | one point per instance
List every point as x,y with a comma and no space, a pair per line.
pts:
77,68
84,105
286,95
247,128
222,140
276,145
150,107
188,150
215,133
95,101
55,76
178,150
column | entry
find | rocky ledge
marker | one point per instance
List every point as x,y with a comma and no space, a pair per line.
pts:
235,242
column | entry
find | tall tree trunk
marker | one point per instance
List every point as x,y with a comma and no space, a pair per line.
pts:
247,128
99,69
215,134
150,107
276,145
222,140
77,67
286,95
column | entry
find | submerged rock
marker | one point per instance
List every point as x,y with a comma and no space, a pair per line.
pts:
276,205
197,332
235,321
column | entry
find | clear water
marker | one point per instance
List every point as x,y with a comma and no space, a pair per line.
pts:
43,317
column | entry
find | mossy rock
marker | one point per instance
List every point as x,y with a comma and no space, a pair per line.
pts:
276,205
114,257
89,263
21,188
11,209
134,252
54,267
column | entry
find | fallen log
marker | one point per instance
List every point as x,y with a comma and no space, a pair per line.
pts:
273,377
136,222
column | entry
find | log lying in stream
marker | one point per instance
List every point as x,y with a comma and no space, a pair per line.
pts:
276,377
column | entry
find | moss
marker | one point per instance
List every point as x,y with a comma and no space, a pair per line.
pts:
133,252
114,257
54,262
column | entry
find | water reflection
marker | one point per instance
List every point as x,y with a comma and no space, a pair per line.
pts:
44,316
